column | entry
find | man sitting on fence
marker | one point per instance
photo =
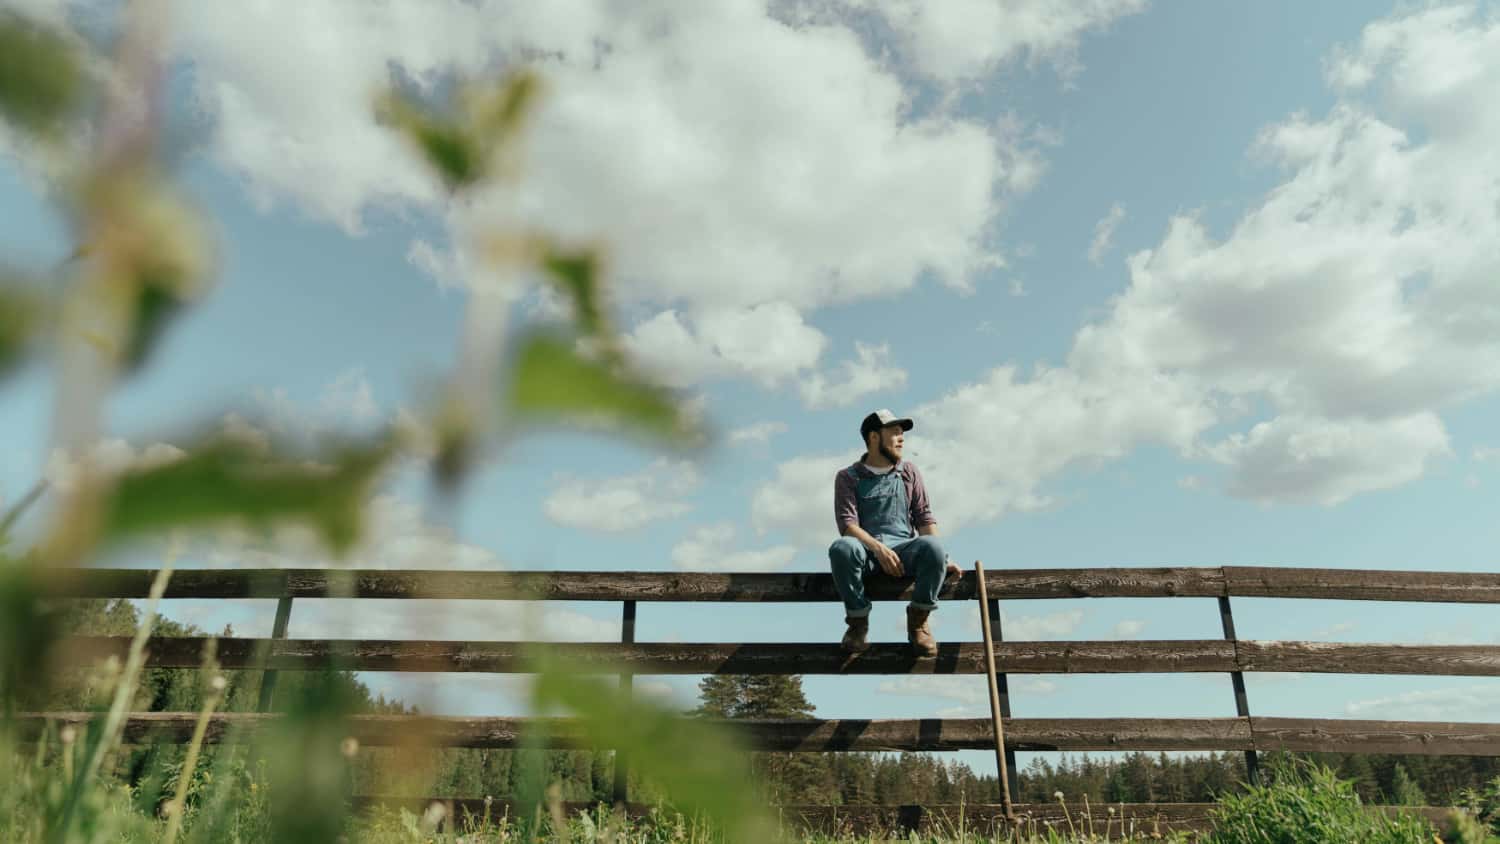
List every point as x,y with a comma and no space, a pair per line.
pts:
885,521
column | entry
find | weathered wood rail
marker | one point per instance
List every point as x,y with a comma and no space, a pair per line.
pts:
1229,655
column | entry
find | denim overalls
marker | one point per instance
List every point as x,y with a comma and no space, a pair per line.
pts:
885,513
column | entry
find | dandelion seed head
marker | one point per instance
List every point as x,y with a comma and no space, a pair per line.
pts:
67,734
218,683
350,746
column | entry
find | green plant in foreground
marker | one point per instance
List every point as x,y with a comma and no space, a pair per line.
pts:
1306,802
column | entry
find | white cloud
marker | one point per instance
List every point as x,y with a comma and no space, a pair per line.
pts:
1485,454
967,39
868,372
965,689
1130,628
108,457
398,535
614,504
1356,301
1294,458
1035,628
1017,287
767,343
1467,703
713,548
760,432
799,500
1104,232
350,396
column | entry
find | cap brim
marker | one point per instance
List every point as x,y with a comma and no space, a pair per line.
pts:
906,424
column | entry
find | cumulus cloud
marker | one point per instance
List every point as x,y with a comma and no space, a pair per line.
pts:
614,504
1104,232
1130,628
713,548
869,371
1465,703
1326,461
967,39
760,432
1354,303
767,343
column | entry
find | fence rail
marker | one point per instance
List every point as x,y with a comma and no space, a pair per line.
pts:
1166,656
1004,584
1229,655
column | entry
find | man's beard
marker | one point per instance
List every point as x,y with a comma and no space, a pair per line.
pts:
886,453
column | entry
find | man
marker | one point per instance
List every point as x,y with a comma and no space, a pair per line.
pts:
885,522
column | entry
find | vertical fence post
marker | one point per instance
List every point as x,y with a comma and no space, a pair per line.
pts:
627,681
1004,689
1241,701
268,676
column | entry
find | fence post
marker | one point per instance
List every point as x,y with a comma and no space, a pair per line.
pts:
627,681
1004,689
1241,702
268,676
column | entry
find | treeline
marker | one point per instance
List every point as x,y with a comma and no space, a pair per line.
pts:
786,778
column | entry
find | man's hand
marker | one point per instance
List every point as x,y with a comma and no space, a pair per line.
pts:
953,570
886,559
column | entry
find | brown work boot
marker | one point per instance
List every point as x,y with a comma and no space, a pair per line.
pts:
918,633
857,637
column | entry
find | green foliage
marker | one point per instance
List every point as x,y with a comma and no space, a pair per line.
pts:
227,479
554,383
462,144
39,76
577,275
1483,804
690,761
19,316
1306,802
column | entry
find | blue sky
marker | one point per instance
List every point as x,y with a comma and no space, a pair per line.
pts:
1163,284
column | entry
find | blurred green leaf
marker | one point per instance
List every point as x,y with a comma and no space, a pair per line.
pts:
18,318
154,308
227,479
578,276
461,145
502,113
27,630
309,775
695,762
39,76
553,382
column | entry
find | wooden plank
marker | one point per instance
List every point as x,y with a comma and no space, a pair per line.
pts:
792,735
1346,658
621,586
1363,584
1339,735
1169,656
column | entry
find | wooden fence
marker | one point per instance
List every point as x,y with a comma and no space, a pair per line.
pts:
1229,655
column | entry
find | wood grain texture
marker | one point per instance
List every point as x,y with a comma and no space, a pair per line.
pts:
1170,656
818,658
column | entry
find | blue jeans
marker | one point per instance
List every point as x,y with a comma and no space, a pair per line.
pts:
922,558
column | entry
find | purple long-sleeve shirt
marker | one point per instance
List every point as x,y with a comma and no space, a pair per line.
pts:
846,498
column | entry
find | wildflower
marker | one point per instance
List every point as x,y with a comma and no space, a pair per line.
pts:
67,734
350,746
1111,810
434,814
218,683
1057,795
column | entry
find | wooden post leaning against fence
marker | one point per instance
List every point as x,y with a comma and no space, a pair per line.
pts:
1002,685
1241,700
268,676
995,717
627,681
